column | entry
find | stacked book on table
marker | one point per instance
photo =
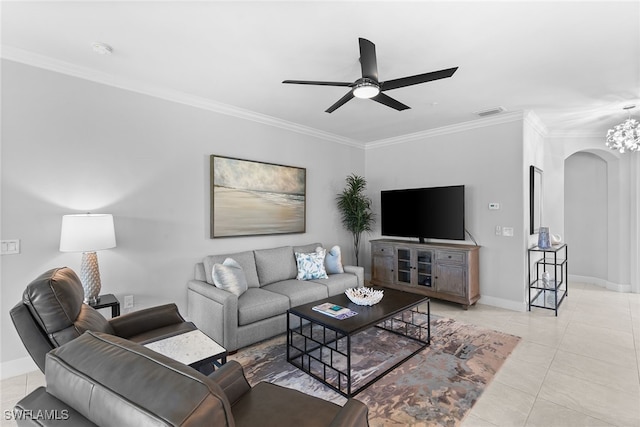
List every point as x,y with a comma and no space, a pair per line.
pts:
334,310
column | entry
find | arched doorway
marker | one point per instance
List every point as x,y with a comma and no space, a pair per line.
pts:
586,225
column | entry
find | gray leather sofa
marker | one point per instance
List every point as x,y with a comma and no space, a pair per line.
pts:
103,380
52,313
260,312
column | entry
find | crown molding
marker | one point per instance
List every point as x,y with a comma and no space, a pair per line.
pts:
63,67
575,134
532,119
446,130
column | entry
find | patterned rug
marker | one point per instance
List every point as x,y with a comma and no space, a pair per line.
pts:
436,387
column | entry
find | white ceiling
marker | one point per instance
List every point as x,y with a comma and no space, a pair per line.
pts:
576,64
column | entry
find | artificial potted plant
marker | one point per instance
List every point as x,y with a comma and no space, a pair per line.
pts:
355,207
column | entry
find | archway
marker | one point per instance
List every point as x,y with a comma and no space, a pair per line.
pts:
586,189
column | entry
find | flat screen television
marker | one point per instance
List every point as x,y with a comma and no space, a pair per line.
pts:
425,213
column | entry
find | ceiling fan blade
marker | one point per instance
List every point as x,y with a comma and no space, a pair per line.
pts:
307,82
417,79
368,60
390,102
340,102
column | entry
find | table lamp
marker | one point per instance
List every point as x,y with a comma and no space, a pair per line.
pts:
88,233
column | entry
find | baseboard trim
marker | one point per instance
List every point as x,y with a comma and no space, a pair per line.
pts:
616,287
15,367
502,303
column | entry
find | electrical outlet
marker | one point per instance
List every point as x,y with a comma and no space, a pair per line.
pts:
498,230
128,301
494,206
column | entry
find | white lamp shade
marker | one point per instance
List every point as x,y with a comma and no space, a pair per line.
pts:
87,233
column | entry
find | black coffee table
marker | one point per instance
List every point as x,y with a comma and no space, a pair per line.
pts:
320,345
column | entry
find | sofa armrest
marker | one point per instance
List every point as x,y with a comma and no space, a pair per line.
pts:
28,411
211,292
215,311
141,321
230,377
358,271
353,414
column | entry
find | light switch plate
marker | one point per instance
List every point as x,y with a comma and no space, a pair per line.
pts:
10,247
507,231
494,206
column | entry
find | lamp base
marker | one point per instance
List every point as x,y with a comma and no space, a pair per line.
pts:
90,277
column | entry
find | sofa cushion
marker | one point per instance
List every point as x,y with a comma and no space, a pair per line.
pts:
311,265
333,261
258,304
112,381
230,277
299,292
275,264
245,259
338,283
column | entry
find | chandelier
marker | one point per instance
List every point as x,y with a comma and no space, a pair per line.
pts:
626,135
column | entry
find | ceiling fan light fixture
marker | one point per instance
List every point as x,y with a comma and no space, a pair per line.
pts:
366,90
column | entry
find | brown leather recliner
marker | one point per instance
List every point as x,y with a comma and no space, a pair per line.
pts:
52,313
99,379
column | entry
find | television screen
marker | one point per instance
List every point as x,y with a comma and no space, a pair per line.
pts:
436,213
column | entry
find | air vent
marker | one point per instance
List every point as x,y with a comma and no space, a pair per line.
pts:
490,111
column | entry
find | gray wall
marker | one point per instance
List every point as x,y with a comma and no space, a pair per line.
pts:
72,146
489,162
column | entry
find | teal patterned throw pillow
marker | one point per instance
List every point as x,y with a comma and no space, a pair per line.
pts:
311,265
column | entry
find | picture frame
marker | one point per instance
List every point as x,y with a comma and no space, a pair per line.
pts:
251,198
535,199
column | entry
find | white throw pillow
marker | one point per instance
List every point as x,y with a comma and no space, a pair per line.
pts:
311,265
230,277
333,260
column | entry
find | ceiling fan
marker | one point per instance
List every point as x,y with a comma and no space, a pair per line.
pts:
368,85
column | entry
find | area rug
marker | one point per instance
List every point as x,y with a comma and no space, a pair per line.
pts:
436,387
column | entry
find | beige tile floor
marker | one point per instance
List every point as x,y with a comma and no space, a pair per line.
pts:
579,369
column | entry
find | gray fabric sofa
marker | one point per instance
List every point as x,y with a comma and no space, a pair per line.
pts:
103,380
260,312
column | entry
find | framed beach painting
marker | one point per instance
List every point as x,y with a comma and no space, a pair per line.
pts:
250,198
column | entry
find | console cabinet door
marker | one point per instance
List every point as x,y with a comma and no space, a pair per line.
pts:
424,268
382,264
382,269
451,272
404,266
451,279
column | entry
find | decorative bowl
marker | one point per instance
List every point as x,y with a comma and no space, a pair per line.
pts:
364,296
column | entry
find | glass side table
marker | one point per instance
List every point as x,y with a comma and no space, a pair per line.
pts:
548,276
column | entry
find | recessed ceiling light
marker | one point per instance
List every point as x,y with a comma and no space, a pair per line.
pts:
101,48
